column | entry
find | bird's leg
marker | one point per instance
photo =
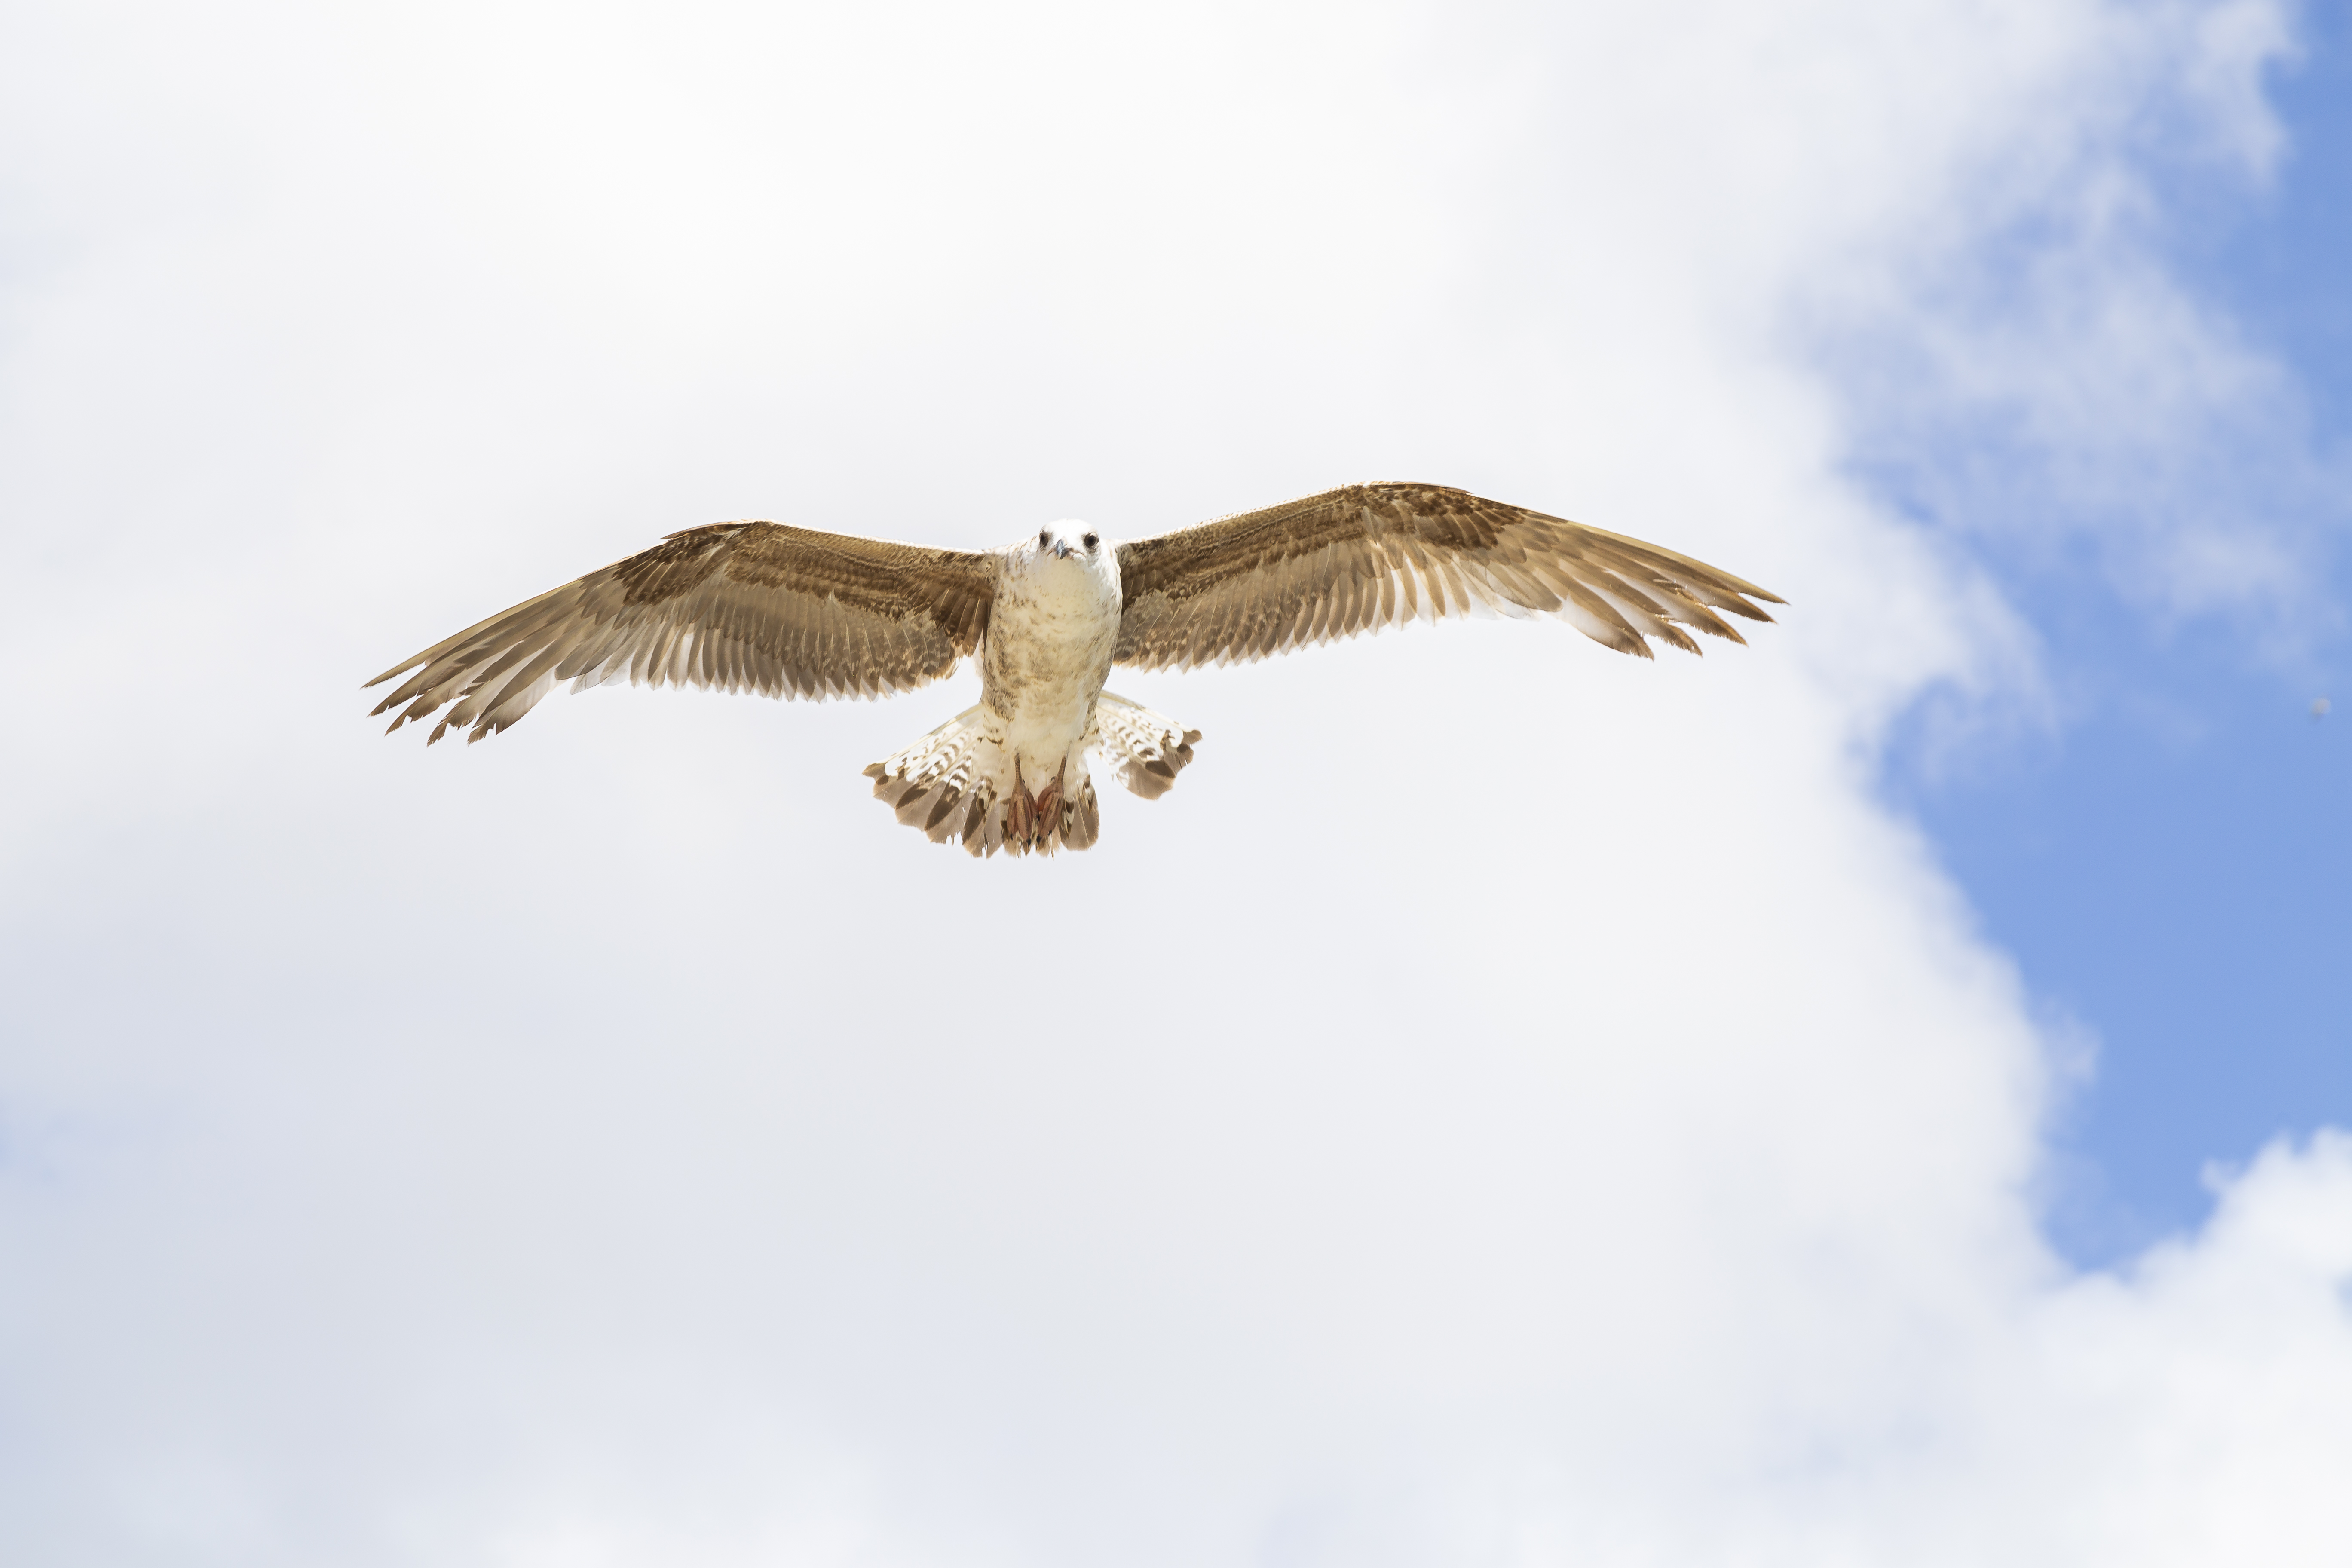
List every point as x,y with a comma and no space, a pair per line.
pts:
1020,811
1049,805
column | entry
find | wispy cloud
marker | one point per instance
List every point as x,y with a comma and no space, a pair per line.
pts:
1507,1104
2027,369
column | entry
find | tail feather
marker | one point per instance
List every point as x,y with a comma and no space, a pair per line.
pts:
1151,748
959,785
962,784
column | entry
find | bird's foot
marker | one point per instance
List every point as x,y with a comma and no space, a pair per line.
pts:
1020,811
1049,805
1034,820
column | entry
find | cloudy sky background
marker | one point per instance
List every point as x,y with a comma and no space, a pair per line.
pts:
1864,1098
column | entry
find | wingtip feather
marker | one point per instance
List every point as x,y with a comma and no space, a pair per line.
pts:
1728,633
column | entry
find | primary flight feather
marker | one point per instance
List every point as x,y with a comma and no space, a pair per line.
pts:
790,611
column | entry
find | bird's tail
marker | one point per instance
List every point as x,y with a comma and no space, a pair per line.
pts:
960,784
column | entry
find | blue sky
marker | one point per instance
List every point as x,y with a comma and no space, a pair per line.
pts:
1511,1104
2171,860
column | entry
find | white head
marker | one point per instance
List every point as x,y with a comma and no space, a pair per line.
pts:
1067,539
1069,552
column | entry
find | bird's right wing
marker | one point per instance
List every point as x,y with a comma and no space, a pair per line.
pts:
1367,556
742,606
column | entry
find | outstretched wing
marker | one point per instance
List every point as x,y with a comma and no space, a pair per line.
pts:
1367,556
743,607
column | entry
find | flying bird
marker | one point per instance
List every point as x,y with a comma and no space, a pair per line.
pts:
790,611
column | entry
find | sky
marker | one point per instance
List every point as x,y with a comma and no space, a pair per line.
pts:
2166,853
1874,1096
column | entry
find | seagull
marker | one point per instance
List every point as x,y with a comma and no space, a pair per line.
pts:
791,612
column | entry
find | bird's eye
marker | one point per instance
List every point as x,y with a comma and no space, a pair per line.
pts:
1092,542
1044,538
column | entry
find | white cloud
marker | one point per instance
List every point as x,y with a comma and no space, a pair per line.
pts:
1511,1104
2026,360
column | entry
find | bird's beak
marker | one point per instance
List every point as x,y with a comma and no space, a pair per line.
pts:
1061,549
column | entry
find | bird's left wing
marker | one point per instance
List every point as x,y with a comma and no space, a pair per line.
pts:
1365,556
743,607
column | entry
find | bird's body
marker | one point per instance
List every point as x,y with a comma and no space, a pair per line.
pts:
1012,771
1048,650
769,607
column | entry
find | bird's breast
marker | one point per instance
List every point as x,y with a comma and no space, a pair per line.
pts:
1049,649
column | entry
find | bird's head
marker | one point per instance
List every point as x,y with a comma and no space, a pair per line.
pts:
1072,546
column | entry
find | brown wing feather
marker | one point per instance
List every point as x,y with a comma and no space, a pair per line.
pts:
742,606
1367,556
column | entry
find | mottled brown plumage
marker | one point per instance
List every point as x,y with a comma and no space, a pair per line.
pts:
762,606
743,607
1367,556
